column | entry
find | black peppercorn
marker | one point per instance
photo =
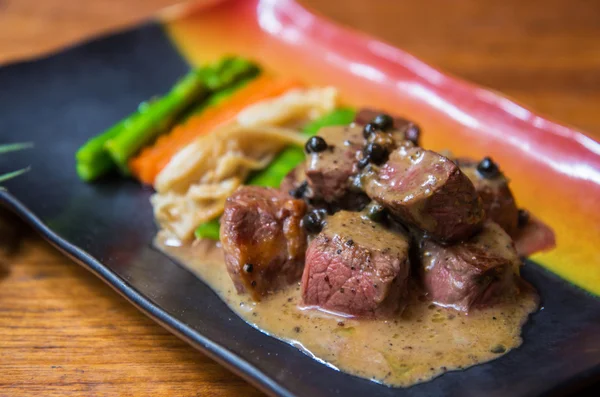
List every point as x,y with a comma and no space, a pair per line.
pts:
313,221
487,168
248,268
376,153
383,121
299,191
369,129
523,218
315,144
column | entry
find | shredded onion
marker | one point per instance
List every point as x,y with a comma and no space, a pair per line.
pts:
193,187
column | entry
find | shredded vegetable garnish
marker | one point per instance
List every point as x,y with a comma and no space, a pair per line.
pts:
193,187
153,159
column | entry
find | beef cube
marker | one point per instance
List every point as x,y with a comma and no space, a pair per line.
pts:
497,198
428,191
406,129
535,236
263,241
356,267
329,172
472,273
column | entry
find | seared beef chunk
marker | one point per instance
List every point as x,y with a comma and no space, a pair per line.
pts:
357,267
529,233
492,186
534,236
329,172
408,130
474,272
263,242
427,191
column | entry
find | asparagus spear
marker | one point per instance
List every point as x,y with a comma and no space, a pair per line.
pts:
208,230
282,164
155,119
92,160
161,114
227,72
288,159
218,97
120,142
341,116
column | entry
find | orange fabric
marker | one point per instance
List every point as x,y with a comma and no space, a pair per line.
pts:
151,160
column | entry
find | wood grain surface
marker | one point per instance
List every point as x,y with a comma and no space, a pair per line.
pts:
65,333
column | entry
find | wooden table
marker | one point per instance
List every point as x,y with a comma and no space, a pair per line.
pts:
63,332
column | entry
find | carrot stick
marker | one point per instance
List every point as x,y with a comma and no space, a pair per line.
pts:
151,160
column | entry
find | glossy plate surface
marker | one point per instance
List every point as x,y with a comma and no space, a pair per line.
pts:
61,101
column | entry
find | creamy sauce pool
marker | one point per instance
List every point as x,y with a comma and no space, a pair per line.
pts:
424,342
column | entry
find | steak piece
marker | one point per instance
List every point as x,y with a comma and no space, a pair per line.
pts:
263,241
474,272
428,191
499,204
407,129
496,197
328,172
534,237
356,267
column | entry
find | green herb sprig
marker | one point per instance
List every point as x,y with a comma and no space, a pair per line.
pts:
13,147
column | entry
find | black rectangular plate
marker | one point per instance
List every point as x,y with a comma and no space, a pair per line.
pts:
61,101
